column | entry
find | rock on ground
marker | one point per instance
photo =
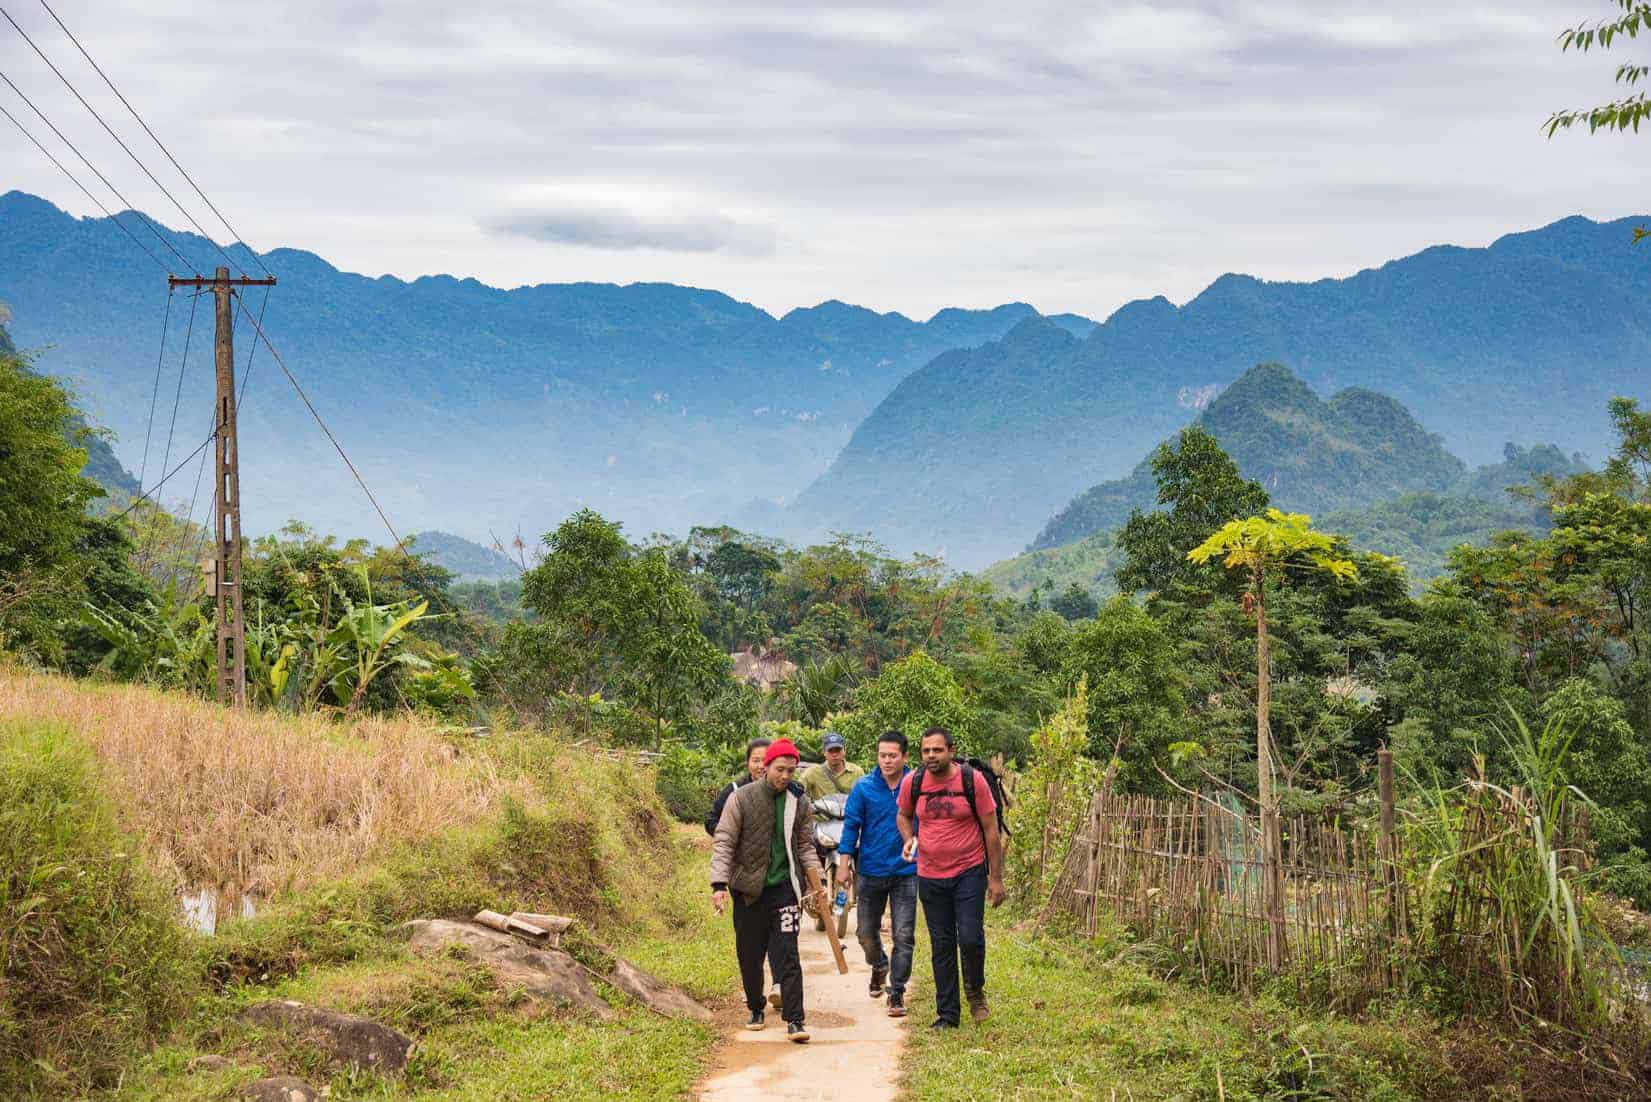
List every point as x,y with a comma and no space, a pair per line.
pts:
345,1037
653,994
541,974
210,1065
281,1088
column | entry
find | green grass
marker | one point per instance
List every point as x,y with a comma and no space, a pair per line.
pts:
1083,1021
93,962
475,1042
693,946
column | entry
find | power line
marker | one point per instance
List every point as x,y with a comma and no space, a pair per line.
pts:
183,367
76,182
246,376
189,264
150,493
118,141
401,544
212,206
154,393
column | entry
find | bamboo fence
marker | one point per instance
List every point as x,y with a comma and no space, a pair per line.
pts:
1188,873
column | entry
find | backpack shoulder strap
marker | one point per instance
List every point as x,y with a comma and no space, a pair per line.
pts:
916,795
968,780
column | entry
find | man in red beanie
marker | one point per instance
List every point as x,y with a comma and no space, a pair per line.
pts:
763,854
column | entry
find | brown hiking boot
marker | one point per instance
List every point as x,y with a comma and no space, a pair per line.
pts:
978,1010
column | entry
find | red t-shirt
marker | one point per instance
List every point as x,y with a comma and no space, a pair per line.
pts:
949,839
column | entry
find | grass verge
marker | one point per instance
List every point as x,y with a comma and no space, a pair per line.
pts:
350,831
93,961
1076,1020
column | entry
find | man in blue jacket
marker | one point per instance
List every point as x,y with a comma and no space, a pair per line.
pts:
871,840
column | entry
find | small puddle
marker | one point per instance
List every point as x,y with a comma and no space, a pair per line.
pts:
204,907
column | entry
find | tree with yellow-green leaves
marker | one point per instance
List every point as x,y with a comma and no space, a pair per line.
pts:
1266,546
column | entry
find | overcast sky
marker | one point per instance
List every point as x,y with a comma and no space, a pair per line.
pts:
906,157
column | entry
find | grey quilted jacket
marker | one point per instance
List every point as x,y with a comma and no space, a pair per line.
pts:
739,851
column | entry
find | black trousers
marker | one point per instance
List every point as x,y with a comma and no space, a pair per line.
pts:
767,929
955,911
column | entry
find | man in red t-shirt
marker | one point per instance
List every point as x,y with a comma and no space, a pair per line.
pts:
959,869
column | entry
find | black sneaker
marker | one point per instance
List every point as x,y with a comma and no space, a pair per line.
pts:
757,1021
878,975
897,1004
942,1023
797,1032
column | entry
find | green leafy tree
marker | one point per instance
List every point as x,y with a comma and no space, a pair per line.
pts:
910,696
1135,691
614,620
1627,112
818,688
1609,762
1204,490
1454,678
43,500
1263,547
1075,603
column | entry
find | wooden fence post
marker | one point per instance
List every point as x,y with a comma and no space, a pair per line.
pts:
1389,852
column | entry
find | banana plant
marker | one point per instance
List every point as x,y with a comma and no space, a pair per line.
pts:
372,632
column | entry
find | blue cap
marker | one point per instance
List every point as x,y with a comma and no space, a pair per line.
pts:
832,741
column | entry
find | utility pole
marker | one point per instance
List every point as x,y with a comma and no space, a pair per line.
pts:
232,668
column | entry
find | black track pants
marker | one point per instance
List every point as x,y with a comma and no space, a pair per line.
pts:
768,929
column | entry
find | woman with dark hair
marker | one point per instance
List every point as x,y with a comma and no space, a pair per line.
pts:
754,751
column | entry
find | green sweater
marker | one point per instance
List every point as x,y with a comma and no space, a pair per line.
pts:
779,862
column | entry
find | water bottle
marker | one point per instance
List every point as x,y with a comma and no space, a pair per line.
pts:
840,904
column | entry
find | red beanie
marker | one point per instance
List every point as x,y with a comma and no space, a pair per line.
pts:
780,748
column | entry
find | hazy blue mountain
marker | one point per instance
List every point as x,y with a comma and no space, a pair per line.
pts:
465,406
1525,339
467,560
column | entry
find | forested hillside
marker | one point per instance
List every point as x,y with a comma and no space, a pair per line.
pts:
1524,340
1310,455
468,406
465,560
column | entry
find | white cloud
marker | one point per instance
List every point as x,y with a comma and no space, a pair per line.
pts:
905,158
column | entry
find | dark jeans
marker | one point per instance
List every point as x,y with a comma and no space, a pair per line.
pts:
768,929
899,894
955,909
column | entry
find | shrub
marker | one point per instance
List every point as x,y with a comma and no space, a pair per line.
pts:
94,962
688,780
1053,797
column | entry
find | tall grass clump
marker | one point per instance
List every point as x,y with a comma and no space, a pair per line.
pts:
94,964
1500,872
263,803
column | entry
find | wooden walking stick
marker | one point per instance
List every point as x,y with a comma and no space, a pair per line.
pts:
823,902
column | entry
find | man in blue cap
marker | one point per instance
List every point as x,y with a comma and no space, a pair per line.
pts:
836,775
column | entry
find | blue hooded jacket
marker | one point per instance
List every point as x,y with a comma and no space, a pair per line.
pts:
870,834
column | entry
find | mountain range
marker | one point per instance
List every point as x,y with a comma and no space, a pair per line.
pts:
466,407
471,409
1523,340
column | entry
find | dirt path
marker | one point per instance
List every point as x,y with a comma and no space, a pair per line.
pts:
854,1053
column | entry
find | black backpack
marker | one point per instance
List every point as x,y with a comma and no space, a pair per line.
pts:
969,767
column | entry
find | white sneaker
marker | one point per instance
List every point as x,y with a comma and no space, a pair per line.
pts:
774,999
